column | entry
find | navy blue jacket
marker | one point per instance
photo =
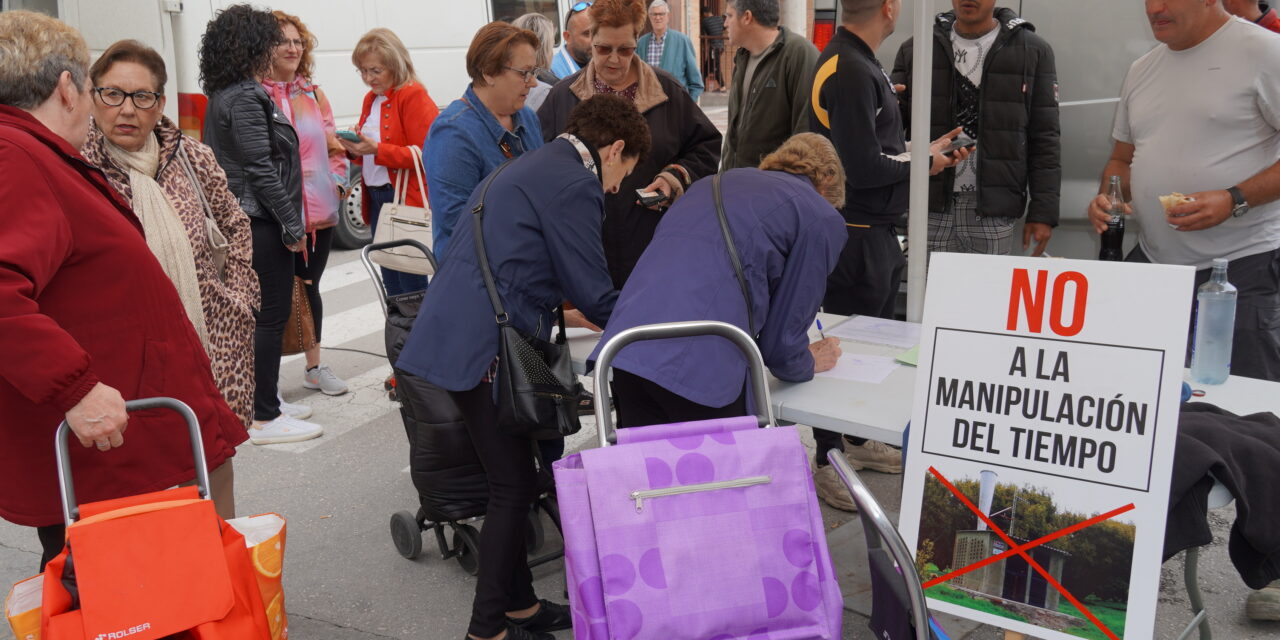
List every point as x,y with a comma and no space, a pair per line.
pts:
542,221
788,238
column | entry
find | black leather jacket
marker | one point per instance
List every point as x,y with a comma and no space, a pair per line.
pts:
258,148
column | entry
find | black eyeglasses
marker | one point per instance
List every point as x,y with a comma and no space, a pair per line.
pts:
113,97
527,74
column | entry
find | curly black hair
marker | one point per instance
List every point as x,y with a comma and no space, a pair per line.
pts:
604,118
237,45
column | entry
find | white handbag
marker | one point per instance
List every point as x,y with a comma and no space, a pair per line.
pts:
398,221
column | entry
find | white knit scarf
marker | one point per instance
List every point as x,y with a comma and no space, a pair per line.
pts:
166,234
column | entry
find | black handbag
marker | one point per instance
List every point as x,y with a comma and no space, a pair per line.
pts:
537,390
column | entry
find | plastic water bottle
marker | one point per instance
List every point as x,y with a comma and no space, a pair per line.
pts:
1215,325
1113,237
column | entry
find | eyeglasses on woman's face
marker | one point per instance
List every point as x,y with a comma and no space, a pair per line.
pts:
113,97
527,74
605,50
295,43
372,72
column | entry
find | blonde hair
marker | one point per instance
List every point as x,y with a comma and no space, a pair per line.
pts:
307,63
812,156
34,51
386,45
542,27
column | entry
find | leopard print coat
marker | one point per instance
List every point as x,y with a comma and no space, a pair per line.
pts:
229,306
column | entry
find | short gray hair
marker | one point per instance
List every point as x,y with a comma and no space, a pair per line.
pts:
765,12
542,27
658,3
34,51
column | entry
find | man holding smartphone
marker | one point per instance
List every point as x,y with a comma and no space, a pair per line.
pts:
855,106
993,76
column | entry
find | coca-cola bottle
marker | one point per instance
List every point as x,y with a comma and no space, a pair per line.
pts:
1113,237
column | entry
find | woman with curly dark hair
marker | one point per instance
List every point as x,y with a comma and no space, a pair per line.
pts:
258,148
541,231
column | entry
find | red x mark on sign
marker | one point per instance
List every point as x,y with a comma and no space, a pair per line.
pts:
1022,550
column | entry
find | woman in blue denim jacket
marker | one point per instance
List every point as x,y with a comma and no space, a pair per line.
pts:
487,126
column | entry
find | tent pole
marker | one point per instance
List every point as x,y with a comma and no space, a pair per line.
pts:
918,219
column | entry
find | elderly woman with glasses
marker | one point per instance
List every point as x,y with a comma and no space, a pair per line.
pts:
396,115
489,124
686,146
88,316
193,224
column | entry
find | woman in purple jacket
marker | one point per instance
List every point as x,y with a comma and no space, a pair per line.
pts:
788,235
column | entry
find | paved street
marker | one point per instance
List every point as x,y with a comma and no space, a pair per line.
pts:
344,579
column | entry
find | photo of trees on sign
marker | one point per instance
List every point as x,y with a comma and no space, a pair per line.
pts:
1092,564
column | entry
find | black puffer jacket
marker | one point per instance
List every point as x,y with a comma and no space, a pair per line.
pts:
258,148
1019,137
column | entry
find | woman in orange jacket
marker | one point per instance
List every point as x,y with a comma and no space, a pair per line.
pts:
397,113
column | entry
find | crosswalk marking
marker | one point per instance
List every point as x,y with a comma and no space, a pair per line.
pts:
348,325
364,403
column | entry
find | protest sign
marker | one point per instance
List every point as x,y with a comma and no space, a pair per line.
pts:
1042,438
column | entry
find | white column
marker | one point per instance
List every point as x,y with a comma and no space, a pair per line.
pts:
918,220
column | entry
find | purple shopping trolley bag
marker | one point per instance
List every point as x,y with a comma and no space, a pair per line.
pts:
695,531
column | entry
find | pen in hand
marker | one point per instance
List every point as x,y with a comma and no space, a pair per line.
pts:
820,332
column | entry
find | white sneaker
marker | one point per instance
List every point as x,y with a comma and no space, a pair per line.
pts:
284,429
323,378
297,411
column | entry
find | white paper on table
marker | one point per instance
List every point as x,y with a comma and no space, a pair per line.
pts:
877,331
858,367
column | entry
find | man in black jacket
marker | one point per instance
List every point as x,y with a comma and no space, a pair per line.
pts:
854,104
993,76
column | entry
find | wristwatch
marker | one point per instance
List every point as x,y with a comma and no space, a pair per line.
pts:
1238,206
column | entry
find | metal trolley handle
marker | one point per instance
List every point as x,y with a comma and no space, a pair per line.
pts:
377,275
71,510
755,363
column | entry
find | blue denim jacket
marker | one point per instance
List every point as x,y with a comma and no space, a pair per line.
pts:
464,145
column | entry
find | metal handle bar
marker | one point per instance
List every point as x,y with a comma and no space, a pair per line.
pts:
377,275
755,363
875,519
71,510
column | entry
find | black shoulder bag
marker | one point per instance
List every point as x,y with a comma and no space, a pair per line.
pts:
733,254
537,390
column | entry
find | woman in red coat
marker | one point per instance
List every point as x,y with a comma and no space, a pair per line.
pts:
87,316
396,116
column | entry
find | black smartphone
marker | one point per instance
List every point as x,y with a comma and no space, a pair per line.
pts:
961,141
650,198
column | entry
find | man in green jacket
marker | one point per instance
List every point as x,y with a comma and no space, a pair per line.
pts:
772,76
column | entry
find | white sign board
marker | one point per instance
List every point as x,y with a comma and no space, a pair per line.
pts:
1042,439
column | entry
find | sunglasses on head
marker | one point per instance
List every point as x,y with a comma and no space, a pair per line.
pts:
604,50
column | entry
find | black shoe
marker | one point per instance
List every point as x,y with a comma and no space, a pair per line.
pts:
550,617
515,632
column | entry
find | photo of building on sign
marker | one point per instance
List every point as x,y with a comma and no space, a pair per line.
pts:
978,562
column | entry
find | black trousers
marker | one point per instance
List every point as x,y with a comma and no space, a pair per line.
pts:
1255,346
505,582
641,402
274,264
311,269
865,282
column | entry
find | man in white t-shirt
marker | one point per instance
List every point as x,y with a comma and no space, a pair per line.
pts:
1200,115
996,78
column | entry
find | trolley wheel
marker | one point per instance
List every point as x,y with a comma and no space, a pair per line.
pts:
466,544
406,532
534,535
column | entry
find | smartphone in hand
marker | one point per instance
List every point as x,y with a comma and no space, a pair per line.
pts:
650,198
349,136
961,141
